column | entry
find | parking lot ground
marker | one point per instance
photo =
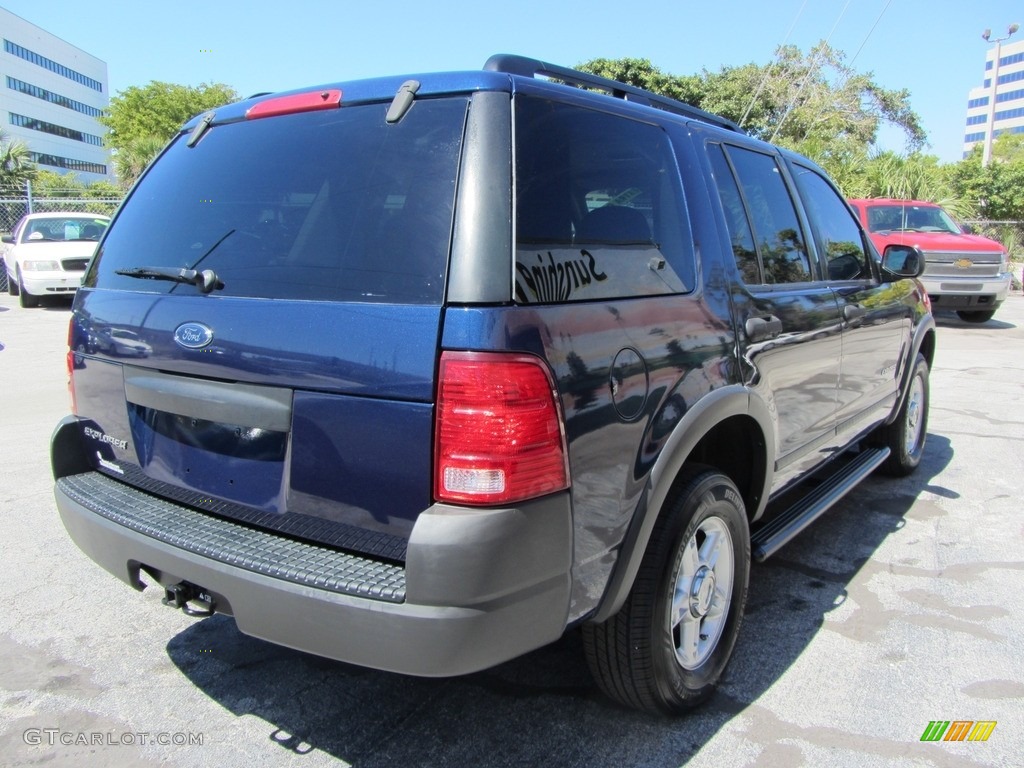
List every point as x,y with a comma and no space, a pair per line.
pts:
902,606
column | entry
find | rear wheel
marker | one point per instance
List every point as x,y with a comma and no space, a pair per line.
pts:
905,437
665,650
976,316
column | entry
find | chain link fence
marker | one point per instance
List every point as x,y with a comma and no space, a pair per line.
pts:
1011,235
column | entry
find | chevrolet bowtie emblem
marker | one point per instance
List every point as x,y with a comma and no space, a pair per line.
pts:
963,263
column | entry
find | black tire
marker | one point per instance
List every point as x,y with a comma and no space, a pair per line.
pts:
27,300
905,437
976,316
635,656
12,285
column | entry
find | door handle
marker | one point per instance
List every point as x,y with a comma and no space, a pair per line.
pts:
853,312
761,328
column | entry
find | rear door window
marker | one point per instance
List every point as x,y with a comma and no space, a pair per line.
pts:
329,205
767,210
599,207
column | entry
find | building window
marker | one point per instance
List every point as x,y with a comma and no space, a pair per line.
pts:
54,98
1013,58
996,134
982,102
1012,77
57,130
1009,114
977,120
53,66
67,163
1010,96
974,137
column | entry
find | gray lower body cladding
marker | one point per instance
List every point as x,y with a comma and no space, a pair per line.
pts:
478,586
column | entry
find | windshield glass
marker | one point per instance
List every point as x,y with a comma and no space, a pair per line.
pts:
54,228
329,205
910,218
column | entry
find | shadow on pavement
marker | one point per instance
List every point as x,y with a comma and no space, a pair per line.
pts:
543,708
950,320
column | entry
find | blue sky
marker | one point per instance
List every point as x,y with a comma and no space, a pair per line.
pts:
933,48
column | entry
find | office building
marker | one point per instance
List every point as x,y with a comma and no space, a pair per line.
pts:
51,94
1005,112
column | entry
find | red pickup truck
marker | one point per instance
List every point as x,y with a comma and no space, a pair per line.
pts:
963,272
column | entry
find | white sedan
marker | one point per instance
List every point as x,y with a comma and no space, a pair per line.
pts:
48,252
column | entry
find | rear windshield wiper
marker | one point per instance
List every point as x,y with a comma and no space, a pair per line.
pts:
205,280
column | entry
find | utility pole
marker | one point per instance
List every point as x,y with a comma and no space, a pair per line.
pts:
990,129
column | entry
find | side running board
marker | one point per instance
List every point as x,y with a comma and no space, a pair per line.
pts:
768,539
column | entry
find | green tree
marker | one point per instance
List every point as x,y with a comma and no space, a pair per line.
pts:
131,159
51,184
159,109
908,177
16,166
98,196
814,103
996,190
643,74
142,119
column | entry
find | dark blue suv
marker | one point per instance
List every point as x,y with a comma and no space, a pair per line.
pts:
430,370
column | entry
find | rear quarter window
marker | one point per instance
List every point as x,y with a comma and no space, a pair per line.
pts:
330,205
599,207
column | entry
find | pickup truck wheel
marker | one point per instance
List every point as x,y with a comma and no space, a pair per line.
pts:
975,316
905,437
665,650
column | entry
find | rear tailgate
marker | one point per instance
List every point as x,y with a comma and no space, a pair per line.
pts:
322,431
294,389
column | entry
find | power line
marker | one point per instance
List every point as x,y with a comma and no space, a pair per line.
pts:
870,32
768,69
810,71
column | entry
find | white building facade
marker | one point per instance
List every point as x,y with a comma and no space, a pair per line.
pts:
998,104
51,94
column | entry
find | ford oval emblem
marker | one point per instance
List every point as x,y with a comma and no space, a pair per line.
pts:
193,335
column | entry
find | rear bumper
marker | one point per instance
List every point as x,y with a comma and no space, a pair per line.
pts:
478,587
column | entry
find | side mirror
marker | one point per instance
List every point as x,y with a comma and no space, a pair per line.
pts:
968,229
903,261
9,239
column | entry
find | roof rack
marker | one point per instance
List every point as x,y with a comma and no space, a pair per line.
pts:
527,67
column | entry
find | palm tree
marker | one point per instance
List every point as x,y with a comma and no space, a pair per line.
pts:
16,166
131,160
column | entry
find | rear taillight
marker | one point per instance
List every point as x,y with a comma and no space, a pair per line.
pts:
498,434
71,370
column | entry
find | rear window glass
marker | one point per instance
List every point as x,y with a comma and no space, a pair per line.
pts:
331,205
599,208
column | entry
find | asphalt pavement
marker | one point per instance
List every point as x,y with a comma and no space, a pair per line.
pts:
902,606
